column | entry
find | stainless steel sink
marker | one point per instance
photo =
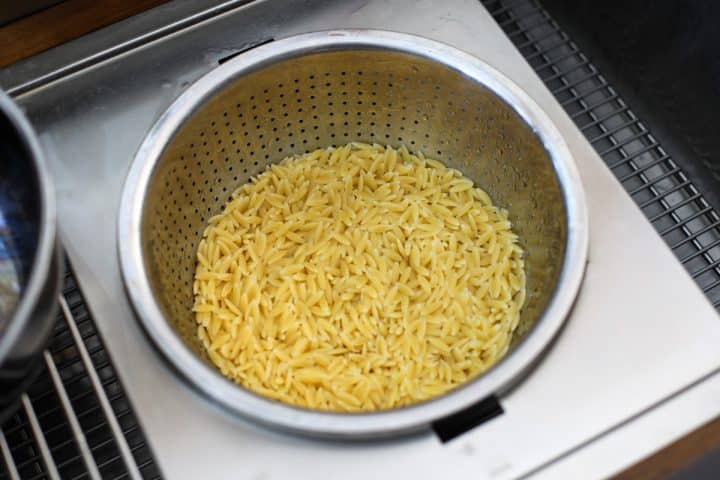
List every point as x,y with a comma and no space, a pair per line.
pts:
635,367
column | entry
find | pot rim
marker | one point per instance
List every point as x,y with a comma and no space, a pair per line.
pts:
233,397
45,252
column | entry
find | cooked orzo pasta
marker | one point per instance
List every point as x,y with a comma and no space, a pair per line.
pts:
357,278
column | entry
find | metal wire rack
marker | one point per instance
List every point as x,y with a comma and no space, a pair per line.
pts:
662,189
75,421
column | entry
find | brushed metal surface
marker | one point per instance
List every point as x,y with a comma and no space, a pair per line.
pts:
108,42
640,332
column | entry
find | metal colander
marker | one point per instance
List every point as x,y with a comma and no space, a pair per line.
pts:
317,90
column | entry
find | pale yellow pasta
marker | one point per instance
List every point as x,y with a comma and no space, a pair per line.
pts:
357,278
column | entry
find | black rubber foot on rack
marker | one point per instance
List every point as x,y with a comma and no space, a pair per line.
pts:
455,425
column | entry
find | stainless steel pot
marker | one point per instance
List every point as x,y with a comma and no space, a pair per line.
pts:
314,90
30,265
